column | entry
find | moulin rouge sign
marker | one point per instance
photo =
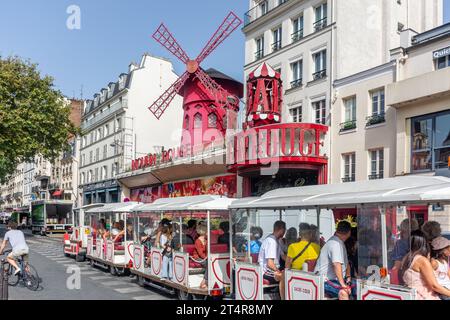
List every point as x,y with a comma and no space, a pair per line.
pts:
166,156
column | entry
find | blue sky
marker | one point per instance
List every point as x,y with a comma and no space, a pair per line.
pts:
114,33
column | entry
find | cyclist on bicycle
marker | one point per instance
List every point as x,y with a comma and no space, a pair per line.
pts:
16,238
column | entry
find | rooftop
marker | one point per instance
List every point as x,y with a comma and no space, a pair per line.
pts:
433,34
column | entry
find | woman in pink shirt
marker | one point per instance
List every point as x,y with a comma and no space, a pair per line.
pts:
417,271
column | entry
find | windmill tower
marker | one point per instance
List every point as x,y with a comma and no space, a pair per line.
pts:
211,99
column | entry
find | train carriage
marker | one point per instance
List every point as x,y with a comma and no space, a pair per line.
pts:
109,246
187,272
376,208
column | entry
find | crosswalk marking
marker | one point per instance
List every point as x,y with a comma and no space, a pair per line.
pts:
129,290
100,278
113,283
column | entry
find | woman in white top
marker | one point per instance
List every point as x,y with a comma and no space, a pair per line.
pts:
441,255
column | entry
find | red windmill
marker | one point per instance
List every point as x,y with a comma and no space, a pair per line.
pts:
221,96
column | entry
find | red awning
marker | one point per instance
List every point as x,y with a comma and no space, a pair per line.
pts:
58,193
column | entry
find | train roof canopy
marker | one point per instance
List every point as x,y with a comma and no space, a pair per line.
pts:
196,203
399,190
114,208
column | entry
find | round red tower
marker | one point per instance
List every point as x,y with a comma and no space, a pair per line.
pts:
205,119
264,97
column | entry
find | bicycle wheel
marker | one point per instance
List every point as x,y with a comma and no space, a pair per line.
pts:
12,279
31,277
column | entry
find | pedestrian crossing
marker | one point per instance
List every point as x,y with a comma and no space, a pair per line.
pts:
52,249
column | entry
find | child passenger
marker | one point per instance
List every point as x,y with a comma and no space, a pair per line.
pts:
439,261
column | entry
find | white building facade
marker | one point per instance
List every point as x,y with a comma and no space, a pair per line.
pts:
117,127
315,42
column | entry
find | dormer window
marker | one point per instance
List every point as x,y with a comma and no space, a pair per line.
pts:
122,82
111,90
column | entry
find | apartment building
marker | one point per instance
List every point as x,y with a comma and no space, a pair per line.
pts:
64,180
312,43
117,127
11,193
394,119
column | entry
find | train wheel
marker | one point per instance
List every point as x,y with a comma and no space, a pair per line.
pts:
141,281
183,295
113,271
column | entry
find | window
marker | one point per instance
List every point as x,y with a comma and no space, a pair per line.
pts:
349,114
85,141
91,136
296,114
96,174
320,65
83,160
297,26
121,82
186,122
320,112
442,62
106,130
90,176
259,48
321,17
104,173
430,142
212,120
198,122
349,167
118,124
100,133
91,153
83,178
264,7
376,164
97,154
277,36
105,151
297,74
378,108
113,170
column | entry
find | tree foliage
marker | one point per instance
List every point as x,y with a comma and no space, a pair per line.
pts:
34,119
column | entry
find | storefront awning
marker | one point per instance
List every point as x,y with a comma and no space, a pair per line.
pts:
399,190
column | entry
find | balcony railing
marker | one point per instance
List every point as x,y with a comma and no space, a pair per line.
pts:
298,35
296,83
276,46
319,75
348,125
259,54
376,119
348,179
320,24
103,115
376,176
255,13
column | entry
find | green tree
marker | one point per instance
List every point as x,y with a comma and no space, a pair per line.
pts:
34,119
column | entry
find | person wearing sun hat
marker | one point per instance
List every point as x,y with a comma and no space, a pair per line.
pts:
440,257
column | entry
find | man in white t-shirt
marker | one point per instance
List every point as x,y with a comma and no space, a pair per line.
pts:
16,239
333,264
270,253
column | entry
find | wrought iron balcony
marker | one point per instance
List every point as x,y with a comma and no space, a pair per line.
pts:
276,46
296,83
348,125
320,24
255,13
17,195
376,119
259,54
376,176
319,74
348,179
298,35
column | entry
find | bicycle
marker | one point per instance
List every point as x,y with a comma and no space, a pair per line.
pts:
28,275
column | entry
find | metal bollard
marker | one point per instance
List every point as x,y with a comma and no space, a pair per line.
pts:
3,281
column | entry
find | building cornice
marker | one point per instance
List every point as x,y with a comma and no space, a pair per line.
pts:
373,72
